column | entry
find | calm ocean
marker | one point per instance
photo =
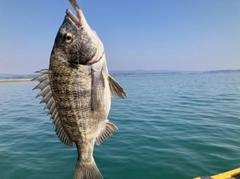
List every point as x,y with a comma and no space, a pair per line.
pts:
171,126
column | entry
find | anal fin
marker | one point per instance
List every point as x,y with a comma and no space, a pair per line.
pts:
106,133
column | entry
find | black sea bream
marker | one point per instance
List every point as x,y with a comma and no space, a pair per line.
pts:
77,90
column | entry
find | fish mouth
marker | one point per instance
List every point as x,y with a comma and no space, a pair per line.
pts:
97,49
75,19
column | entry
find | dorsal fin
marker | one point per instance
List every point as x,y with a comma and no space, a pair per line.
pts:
106,132
115,89
46,93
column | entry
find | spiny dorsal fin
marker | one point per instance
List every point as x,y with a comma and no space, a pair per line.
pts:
46,93
106,132
115,89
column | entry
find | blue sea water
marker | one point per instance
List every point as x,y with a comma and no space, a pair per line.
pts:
170,126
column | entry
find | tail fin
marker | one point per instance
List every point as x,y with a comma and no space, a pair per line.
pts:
87,171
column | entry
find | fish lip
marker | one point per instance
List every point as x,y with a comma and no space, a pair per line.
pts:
73,18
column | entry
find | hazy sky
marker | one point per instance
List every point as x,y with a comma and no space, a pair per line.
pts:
137,34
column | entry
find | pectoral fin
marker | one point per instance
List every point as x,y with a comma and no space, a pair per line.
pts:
115,89
97,82
106,132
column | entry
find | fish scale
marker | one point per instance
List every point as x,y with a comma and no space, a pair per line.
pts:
69,111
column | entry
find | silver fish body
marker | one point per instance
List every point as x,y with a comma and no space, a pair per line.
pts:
77,90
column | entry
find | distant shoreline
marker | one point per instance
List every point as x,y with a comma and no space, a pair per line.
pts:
14,80
9,78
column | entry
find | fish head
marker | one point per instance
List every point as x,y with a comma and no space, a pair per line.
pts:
76,43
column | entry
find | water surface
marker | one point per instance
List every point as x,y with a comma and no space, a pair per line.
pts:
170,126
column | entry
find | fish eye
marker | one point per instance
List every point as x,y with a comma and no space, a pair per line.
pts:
68,37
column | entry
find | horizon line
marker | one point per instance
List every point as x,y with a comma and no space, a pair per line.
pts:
141,70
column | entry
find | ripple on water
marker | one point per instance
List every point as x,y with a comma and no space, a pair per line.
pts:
170,126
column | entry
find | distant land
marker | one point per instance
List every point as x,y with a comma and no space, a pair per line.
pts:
150,72
16,76
26,77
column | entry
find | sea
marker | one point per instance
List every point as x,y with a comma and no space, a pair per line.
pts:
171,126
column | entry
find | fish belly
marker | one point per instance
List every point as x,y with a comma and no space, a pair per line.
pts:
71,90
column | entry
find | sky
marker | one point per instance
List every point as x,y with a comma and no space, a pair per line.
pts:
182,35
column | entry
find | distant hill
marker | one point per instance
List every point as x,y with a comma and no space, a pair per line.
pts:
141,72
17,76
223,71
150,72
123,73
3,75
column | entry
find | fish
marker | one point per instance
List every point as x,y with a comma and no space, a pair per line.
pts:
77,89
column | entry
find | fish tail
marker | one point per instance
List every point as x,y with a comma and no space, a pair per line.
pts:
87,171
